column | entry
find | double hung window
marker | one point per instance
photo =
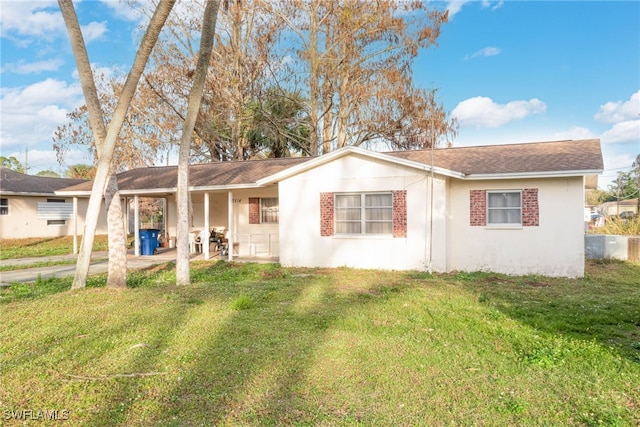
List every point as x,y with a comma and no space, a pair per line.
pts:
504,208
364,213
269,210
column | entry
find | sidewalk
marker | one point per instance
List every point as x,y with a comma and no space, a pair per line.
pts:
99,264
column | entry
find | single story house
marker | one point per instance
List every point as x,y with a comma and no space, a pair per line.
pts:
515,209
617,207
29,207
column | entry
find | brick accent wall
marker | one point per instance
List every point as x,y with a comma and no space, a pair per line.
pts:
530,210
326,214
400,213
254,210
478,208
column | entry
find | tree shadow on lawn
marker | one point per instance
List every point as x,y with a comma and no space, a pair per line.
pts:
251,368
604,306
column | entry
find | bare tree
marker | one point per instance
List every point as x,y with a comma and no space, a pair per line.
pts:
358,57
194,102
105,138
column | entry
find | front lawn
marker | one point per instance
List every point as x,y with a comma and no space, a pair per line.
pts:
250,344
44,246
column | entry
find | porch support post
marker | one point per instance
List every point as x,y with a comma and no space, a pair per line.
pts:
230,236
75,226
205,238
136,225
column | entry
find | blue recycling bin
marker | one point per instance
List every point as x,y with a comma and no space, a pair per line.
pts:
148,241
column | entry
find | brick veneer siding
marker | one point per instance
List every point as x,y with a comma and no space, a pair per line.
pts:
530,210
326,214
400,213
478,208
254,210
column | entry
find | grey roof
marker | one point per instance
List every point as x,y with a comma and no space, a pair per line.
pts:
533,157
219,174
12,182
538,157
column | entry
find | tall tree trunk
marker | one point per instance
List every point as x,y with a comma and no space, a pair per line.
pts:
195,99
117,269
314,79
105,148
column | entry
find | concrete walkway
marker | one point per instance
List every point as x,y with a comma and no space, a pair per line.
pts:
99,264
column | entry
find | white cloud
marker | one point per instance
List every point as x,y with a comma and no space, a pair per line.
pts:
123,10
484,52
483,112
93,30
31,18
576,132
454,7
619,111
623,132
31,114
39,160
22,67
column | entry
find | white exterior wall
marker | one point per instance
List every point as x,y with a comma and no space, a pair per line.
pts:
302,245
554,248
255,239
23,222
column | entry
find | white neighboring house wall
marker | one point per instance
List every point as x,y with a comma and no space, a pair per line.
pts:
301,242
24,219
553,248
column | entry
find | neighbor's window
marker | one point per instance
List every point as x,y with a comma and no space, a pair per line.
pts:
4,206
269,210
56,222
504,207
364,213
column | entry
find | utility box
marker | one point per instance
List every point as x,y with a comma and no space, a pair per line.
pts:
605,246
633,251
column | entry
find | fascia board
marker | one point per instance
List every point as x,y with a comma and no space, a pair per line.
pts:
26,194
521,175
162,190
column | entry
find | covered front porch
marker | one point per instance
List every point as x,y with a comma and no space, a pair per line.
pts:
230,223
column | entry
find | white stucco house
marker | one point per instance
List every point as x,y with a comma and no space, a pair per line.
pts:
29,207
515,209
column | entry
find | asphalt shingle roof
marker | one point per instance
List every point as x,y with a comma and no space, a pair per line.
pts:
200,175
19,183
558,156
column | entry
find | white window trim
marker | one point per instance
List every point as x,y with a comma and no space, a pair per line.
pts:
503,225
363,221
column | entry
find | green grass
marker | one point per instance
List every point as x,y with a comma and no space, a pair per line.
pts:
41,247
260,344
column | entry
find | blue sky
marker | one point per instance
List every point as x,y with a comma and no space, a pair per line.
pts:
509,71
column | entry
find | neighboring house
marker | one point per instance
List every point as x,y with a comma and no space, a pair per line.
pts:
516,209
29,207
618,207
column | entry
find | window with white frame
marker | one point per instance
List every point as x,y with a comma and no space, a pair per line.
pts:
364,213
269,210
504,207
4,206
